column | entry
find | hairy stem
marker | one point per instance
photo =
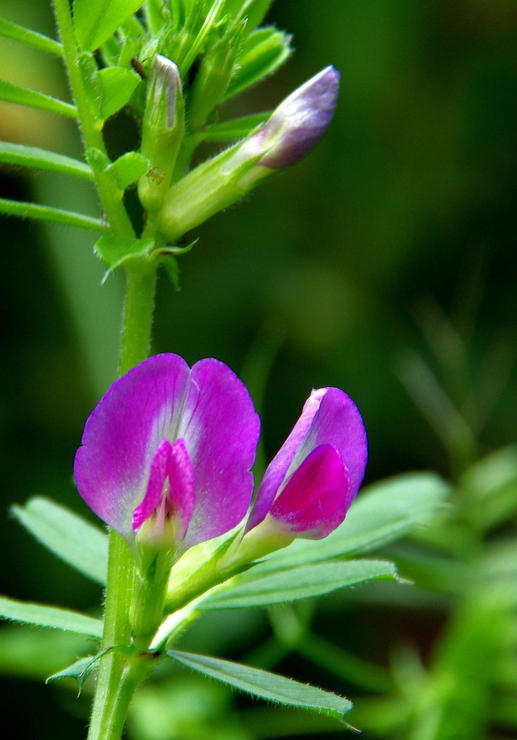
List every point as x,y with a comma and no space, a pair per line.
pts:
91,126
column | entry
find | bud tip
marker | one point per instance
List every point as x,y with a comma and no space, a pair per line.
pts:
301,120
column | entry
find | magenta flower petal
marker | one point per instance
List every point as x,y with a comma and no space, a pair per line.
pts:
317,496
221,428
171,488
125,459
329,417
157,480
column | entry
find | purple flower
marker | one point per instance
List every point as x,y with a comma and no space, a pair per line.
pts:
167,451
309,486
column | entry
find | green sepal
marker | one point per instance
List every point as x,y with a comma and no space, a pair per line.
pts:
263,52
209,188
268,686
236,129
129,168
117,86
200,570
96,20
115,250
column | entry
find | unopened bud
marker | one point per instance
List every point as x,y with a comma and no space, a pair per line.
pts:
300,121
293,129
162,131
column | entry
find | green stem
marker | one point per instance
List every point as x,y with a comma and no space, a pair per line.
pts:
119,674
117,679
138,313
109,711
91,126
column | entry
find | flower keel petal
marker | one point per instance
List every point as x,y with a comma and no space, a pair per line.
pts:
317,496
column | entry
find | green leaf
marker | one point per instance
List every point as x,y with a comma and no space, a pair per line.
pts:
46,213
115,250
49,616
263,52
13,93
384,512
236,129
96,20
266,685
253,10
255,589
80,670
67,535
129,168
35,653
31,38
117,85
29,156
492,483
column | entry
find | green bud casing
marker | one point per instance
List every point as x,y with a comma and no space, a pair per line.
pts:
162,131
292,130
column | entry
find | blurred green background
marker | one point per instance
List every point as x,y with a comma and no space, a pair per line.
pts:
384,264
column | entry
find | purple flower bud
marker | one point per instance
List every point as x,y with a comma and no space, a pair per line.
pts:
309,486
298,123
293,129
167,451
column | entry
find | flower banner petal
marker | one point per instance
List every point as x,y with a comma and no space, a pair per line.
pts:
221,429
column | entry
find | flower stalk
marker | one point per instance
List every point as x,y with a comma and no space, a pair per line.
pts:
166,455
